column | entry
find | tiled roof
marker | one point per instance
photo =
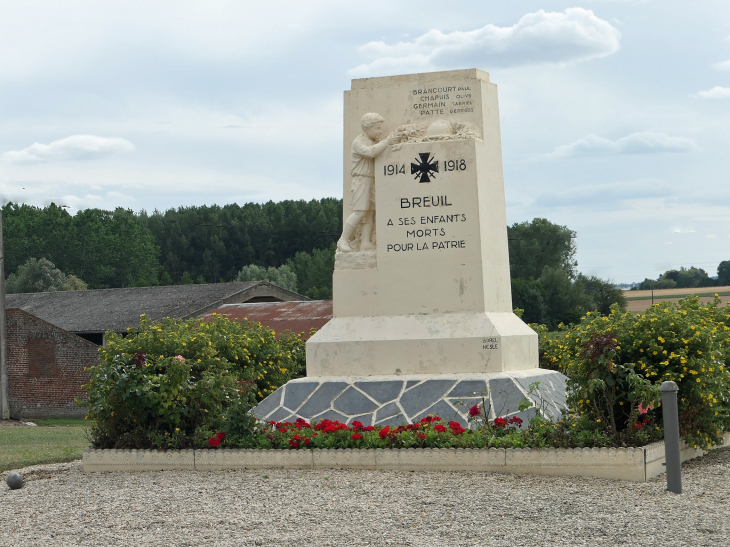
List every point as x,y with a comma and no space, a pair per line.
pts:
117,309
297,317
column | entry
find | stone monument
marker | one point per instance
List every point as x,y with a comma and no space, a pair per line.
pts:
422,313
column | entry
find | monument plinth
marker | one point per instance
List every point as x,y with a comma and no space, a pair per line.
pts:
422,311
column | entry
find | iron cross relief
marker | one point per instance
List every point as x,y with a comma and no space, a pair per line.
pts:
425,168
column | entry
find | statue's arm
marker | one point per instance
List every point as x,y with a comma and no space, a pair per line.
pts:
369,151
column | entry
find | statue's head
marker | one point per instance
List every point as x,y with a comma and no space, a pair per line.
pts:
372,125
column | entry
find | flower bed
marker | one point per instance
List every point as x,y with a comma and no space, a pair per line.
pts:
631,464
432,432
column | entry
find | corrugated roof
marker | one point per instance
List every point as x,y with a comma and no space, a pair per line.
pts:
297,317
117,309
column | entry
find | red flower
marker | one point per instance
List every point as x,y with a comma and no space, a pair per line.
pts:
139,359
357,425
439,428
221,435
306,441
422,437
384,432
436,418
214,442
474,411
294,443
500,422
370,428
356,437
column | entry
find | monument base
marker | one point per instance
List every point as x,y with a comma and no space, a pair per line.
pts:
392,400
422,344
356,260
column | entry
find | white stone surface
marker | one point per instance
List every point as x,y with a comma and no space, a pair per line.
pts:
137,460
422,344
436,298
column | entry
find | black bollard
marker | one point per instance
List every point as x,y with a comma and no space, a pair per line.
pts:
671,437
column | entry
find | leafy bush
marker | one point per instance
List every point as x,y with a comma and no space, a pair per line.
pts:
168,383
616,363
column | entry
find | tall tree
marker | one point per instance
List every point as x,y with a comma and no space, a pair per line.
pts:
723,273
603,294
105,248
314,272
545,281
216,242
538,244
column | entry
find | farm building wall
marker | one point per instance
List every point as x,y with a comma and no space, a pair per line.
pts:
45,368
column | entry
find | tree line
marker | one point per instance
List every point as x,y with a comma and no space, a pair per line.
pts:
688,278
290,243
203,244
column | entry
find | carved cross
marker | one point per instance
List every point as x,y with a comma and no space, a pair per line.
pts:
425,168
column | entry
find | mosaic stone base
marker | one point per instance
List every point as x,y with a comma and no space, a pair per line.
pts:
392,400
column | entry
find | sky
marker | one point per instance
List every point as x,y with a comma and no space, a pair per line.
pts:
615,114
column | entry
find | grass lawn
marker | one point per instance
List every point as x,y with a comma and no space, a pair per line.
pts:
23,446
59,421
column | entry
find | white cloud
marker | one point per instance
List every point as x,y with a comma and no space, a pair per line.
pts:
540,37
725,65
716,92
75,147
636,143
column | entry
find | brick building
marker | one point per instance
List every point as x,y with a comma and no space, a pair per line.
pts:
92,313
45,367
52,336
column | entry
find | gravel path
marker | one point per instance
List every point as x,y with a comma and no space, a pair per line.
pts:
60,505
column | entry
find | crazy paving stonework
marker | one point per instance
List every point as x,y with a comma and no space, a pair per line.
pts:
392,400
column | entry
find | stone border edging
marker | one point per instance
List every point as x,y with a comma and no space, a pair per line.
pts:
630,464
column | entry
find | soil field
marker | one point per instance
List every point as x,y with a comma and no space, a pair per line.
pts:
638,301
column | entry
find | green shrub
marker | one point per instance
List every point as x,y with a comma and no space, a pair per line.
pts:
169,382
615,363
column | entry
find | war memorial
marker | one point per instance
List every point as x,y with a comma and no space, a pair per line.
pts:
422,314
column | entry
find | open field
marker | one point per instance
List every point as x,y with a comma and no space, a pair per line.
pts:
23,446
638,301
